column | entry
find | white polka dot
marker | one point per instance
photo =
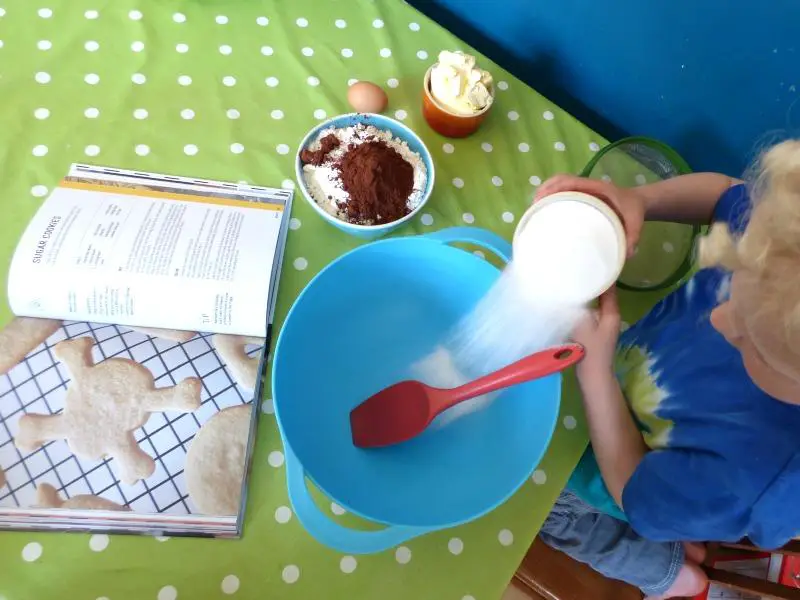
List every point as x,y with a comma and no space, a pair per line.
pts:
458,182
229,81
535,180
190,149
392,83
668,247
44,44
606,178
182,48
455,546
168,592
548,115
422,55
336,509
487,147
539,477
138,78
187,113
179,18
377,23
523,147
348,564
140,113
502,85
426,219
91,14
45,13
468,597
559,146
301,22
479,254
267,50
385,52
184,80
275,458
497,181
283,514
594,146
92,78
351,82
268,406
137,46
32,551
91,46
294,224
570,422
288,184
468,218
237,148
320,114
135,15
98,542
221,19
513,115
313,81
340,23
225,49
41,113
413,26
307,51
347,52
91,113
402,555
400,115
161,538
300,264
272,81
142,149
230,585
640,179
290,574
505,537
42,77
448,148
624,326
39,150
282,148
508,217
91,150
263,21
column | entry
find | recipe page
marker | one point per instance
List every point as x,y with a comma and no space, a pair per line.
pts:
139,252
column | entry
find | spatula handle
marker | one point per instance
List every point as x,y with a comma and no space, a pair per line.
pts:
540,364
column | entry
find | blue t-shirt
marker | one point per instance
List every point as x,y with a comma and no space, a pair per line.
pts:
725,456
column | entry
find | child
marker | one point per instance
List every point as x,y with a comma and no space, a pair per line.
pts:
711,377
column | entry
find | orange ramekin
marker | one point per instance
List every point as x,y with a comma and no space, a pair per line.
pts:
445,122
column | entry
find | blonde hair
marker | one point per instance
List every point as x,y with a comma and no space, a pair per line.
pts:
770,244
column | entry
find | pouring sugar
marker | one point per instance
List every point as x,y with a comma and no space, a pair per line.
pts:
568,249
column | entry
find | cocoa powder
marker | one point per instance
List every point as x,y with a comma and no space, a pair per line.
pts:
378,180
317,157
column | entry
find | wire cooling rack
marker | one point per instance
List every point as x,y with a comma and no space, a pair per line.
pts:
38,385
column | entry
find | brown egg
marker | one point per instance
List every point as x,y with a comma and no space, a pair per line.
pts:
366,97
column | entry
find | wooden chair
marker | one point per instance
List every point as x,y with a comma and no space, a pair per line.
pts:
743,583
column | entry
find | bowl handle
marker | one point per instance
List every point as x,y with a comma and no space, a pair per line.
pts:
474,235
333,535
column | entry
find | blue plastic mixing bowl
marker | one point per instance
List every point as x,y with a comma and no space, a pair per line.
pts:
358,327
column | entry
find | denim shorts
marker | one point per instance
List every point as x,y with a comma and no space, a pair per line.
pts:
611,547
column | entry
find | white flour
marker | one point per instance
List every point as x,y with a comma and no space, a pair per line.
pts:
537,301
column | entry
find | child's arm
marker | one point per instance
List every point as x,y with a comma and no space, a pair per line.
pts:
618,446
685,199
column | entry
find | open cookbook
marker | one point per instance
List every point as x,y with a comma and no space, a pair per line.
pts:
144,305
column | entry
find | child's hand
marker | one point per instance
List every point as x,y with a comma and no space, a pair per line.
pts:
598,332
627,202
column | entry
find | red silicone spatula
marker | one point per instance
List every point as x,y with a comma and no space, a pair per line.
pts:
403,410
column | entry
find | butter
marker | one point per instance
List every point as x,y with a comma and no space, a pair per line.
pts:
458,85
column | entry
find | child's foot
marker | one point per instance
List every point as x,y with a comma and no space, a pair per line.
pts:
695,552
690,582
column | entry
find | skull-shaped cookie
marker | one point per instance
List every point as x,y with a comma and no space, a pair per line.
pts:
243,367
47,497
104,404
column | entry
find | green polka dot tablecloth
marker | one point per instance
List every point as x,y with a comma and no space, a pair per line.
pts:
226,90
